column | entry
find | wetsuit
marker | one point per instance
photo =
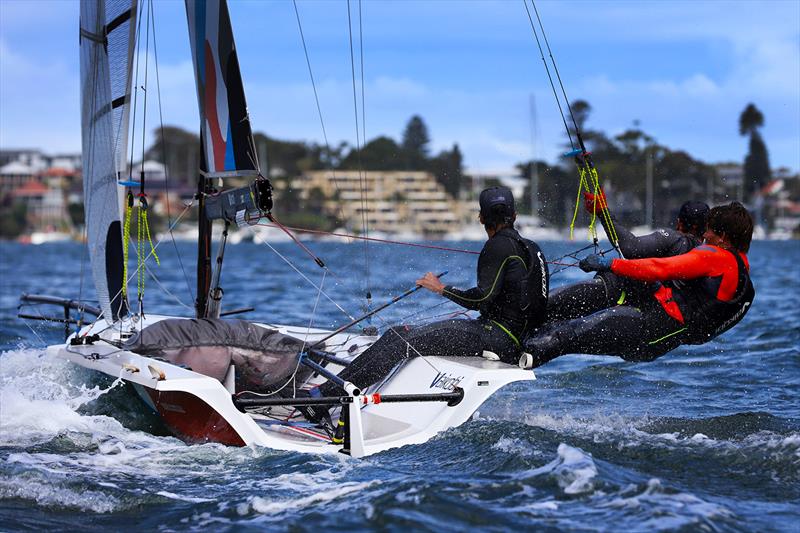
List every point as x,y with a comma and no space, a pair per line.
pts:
704,293
511,296
607,289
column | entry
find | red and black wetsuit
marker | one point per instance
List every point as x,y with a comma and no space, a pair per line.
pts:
706,288
607,289
703,293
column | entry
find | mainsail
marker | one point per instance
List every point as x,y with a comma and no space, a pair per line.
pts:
225,134
107,36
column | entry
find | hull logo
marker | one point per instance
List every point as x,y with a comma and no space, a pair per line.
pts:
445,381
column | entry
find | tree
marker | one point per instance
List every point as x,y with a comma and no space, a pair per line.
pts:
179,150
415,144
580,110
381,153
447,167
756,163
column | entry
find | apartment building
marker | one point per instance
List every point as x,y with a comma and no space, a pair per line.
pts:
393,201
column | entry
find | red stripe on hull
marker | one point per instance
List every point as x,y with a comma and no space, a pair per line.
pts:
192,419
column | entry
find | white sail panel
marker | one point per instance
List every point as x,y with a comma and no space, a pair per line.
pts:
107,36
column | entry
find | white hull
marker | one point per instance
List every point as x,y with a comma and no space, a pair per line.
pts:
201,409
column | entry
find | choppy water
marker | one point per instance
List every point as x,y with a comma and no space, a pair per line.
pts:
706,438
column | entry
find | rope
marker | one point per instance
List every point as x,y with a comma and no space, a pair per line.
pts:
372,239
319,108
361,177
153,251
164,157
339,307
126,239
586,171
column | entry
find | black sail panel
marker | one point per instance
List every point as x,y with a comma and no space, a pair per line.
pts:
225,132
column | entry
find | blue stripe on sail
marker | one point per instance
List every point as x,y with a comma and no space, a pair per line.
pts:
200,39
230,160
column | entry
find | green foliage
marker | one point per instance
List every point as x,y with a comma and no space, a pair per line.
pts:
381,153
757,172
556,193
13,219
307,220
447,167
179,150
750,120
76,214
415,144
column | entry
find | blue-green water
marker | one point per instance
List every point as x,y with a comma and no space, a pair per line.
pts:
705,438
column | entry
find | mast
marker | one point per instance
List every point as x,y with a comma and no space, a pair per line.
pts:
226,139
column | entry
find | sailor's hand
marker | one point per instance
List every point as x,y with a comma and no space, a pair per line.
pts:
595,263
431,282
594,203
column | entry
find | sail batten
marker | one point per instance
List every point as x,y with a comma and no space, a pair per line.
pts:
107,36
225,133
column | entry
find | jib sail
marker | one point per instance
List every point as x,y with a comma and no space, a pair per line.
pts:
107,36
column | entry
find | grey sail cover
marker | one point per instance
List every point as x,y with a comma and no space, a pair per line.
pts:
107,36
266,361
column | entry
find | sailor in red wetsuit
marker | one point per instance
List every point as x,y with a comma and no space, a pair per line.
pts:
607,289
701,294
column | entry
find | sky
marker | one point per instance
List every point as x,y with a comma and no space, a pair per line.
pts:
682,70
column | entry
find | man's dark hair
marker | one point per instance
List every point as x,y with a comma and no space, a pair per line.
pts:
734,222
497,207
694,216
498,215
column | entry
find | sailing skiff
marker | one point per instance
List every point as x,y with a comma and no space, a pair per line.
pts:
202,396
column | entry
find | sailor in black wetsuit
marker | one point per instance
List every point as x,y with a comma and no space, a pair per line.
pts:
511,296
607,289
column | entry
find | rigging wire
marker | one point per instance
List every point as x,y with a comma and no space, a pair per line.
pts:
588,176
362,179
286,260
165,290
141,223
164,157
549,76
319,107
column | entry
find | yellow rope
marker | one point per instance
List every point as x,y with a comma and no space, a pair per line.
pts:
126,239
142,233
150,240
588,174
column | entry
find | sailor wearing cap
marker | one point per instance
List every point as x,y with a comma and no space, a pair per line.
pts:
511,296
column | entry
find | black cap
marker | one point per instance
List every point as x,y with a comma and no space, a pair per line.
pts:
694,214
496,196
